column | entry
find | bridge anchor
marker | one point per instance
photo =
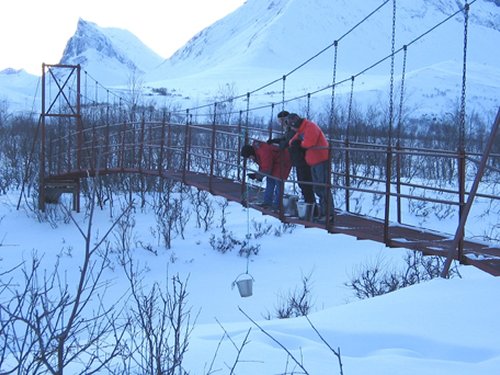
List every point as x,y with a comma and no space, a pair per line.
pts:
54,188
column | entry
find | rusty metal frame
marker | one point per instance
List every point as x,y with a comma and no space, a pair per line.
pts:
50,111
455,248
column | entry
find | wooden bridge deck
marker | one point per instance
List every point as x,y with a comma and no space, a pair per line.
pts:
480,255
477,254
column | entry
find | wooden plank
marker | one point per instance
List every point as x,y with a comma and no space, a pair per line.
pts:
429,242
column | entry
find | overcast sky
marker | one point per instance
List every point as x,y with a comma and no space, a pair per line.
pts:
33,32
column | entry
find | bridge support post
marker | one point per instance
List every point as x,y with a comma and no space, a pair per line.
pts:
459,234
71,112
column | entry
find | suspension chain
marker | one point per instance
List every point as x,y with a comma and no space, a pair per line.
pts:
464,76
391,90
401,97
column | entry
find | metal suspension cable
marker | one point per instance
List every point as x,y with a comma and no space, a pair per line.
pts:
335,43
402,88
332,99
34,96
338,40
30,160
349,113
464,79
391,86
283,93
391,119
316,55
278,79
378,62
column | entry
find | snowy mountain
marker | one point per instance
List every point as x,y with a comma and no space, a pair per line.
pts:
19,91
110,55
271,38
263,40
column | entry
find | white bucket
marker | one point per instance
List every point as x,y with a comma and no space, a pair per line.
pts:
245,285
306,211
290,205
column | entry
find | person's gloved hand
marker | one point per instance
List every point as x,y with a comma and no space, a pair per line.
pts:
275,141
283,144
296,143
254,176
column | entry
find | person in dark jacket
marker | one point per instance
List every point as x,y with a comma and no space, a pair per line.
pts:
297,156
310,137
274,163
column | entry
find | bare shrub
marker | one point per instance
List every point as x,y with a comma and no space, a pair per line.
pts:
160,326
51,326
203,208
297,302
261,229
284,228
228,242
377,279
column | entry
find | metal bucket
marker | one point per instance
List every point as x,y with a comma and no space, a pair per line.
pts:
290,205
245,285
306,211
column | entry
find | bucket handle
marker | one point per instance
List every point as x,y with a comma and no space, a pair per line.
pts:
237,277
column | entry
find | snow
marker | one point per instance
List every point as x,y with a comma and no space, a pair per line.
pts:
290,32
438,327
261,41
443,326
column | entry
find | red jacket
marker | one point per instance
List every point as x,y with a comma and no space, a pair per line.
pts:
272,160
313,140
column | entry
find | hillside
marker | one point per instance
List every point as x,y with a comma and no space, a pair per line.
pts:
262,41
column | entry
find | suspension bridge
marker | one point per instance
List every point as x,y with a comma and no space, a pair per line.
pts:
83,137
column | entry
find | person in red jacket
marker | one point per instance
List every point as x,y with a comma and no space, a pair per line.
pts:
297,156
310,137
274,163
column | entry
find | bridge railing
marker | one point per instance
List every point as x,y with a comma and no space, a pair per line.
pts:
366,176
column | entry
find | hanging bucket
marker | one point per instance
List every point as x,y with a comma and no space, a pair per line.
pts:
290,205
306,211
245,285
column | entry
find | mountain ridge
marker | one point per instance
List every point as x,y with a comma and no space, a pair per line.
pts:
262,40
108,51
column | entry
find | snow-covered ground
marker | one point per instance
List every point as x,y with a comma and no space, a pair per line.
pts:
443,326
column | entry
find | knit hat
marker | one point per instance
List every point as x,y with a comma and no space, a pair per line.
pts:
294,120
247,151
283,114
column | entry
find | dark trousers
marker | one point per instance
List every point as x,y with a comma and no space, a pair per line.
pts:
304,174
320,175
